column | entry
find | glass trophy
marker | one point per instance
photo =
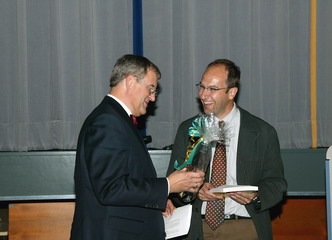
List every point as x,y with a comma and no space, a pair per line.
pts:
204,131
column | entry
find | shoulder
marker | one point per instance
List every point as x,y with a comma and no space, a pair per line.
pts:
248,120
187,123
107,113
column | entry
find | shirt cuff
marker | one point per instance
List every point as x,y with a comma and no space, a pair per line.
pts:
168,187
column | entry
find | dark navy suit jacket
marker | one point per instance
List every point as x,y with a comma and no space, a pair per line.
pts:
118,194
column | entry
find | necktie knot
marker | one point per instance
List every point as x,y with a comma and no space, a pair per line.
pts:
222,136
221,124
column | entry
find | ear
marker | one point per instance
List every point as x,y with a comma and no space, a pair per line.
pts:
232,93
130,81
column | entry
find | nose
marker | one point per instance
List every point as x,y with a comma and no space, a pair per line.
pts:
203,93
152,97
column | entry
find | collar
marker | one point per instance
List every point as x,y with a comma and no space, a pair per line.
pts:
121,103
230,118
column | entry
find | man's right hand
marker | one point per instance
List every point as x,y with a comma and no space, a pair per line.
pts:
205,194
186,181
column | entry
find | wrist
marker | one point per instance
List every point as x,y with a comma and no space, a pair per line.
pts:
255,199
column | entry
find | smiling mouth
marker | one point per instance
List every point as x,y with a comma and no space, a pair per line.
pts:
205,103
208,106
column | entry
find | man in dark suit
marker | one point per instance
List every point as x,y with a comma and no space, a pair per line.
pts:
118,194
253,158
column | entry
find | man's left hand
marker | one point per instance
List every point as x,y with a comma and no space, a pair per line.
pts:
169,209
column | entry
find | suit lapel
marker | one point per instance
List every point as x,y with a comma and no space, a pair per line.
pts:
246,142
123,114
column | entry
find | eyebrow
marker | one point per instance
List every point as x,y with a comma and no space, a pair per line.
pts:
210,86
152,85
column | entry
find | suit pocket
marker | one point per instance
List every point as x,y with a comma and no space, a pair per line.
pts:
126,225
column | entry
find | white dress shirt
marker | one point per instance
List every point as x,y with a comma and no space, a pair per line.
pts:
232,127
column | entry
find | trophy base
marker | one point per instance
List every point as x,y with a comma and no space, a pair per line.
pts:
187,197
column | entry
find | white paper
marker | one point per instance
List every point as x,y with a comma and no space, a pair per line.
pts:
234,188
178,224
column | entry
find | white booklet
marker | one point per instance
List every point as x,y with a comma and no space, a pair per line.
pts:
234,188
178,223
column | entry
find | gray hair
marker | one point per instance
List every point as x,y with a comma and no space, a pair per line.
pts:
132,65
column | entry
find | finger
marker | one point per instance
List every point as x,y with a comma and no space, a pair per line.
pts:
239,199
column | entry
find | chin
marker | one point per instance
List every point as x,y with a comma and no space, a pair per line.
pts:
142,113
208,111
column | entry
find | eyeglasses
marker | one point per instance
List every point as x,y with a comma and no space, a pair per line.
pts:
152,89
201,87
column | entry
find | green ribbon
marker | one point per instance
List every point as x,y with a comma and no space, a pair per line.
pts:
194,131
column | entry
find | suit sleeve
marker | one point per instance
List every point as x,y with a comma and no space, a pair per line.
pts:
272,183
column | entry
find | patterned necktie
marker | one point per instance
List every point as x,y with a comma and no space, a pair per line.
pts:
134,120
214,215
